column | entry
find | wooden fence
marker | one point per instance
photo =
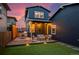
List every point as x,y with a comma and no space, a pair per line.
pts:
14,32
8,36
5,37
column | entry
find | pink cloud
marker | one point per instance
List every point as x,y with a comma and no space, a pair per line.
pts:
18,9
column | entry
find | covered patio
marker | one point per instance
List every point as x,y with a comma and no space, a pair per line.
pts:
41,27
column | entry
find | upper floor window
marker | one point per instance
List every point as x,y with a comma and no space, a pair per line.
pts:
39,14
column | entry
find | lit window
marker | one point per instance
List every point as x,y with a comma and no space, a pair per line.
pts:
39,14
54,31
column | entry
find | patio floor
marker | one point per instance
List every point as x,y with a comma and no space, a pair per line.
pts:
21,41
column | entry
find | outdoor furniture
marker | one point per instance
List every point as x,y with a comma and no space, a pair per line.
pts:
34,38
23,35
49,37
46,37
38,37
41,37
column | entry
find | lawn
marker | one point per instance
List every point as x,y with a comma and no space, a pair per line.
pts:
39,49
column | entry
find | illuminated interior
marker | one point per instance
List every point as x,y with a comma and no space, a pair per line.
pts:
41,28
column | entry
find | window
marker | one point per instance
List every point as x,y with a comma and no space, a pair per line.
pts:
9,28
54,31
39,14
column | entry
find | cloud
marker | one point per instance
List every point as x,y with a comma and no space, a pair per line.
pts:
18,9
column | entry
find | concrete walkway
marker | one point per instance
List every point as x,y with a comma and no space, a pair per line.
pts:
70,46
20,41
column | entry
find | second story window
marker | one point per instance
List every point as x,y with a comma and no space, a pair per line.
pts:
39,14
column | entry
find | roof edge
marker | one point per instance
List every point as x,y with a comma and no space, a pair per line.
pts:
38,6
12,17
6,6
61,7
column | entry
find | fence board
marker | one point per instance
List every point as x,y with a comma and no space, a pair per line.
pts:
5,37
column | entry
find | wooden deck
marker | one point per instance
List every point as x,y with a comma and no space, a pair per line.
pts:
20,41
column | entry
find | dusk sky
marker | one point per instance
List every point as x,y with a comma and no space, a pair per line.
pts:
18,9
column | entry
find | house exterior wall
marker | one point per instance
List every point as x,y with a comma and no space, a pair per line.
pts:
3,20
67,23
11,21
31,15
5,36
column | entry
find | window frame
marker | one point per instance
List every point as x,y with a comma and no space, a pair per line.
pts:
39,14
53,30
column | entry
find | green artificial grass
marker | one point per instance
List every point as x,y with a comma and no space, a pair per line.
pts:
39,49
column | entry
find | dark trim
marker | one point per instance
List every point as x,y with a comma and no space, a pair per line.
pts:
72,4
12,18
26,12
41,21
38,6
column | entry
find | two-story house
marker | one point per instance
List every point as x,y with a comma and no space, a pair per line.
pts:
4,35
3,16
37,20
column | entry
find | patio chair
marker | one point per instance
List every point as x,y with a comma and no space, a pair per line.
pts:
49,37
38,37
42,37
34,38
